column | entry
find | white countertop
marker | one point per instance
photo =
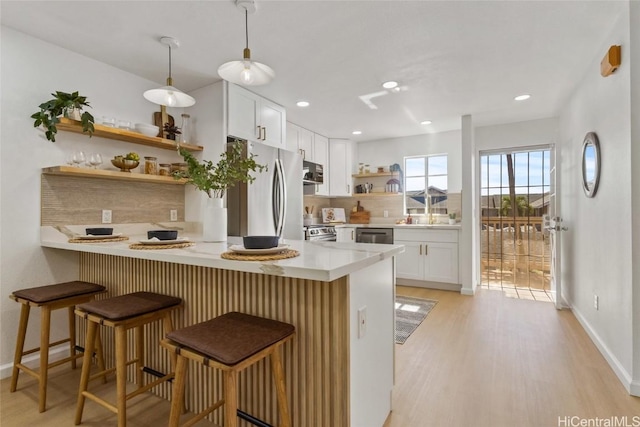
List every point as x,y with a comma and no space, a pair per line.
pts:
457,226
325,261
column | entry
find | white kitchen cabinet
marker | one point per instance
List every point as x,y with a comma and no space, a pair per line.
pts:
345,234
251,117
430,255
339,167
321,156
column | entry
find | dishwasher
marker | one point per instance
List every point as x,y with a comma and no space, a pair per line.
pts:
374,235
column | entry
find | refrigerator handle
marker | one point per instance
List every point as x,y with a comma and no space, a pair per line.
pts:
280,198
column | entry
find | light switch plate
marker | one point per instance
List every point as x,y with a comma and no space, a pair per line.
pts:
106,216
174,214
362,321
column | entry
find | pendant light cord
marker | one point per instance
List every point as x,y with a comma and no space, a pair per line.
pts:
169,61
246,27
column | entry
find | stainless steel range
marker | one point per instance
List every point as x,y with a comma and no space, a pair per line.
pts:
320,232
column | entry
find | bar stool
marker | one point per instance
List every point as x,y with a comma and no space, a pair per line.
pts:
123,313
49,298
231,342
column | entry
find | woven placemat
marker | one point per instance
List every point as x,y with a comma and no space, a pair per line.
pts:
171,246
289,253
114,239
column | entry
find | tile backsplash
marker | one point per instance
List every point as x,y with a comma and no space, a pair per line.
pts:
377,205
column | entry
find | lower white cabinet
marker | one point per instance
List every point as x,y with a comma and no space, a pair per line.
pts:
430,255
345,234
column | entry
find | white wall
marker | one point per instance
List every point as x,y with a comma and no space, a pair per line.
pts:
385,152
634,58
596,253
520,134
31,70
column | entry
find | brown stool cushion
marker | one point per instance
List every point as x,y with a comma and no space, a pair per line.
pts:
129,305
232,337
48,293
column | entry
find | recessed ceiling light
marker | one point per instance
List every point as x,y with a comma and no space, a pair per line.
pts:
425,122
390,84
302,103
522,97
357,132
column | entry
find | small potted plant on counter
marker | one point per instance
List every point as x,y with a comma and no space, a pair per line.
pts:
214,180
452,218
63,104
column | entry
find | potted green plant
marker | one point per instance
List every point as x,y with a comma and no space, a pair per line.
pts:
214,180
63,104
452,218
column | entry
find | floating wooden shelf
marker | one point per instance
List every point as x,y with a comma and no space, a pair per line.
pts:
125,135
115,175
373,175
376,194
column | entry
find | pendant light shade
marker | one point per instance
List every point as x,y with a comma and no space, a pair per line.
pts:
168,95
246,72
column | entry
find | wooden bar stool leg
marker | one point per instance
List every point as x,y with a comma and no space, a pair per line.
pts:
139,331
72,336
167,325
100,356
45,325
22,332
279,382
121,375
92,327
230,399
177,393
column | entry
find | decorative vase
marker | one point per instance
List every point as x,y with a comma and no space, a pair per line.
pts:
214,221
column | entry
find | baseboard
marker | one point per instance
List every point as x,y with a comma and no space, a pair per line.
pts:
468,291
632,387
55,353
429,285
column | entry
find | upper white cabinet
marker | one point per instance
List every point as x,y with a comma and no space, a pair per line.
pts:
340,153
314,148
251,117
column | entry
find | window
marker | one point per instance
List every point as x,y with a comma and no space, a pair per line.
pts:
425,178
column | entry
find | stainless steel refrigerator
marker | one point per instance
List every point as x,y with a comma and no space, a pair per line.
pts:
272,204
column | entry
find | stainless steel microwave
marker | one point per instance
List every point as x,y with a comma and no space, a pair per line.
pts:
312,173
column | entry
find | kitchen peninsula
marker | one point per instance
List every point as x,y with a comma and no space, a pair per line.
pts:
337,373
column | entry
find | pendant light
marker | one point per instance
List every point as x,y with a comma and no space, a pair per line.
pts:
169,96
246,72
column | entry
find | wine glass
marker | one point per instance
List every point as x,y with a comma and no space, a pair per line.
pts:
78,158
95,160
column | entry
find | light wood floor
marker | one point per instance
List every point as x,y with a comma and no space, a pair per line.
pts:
483,361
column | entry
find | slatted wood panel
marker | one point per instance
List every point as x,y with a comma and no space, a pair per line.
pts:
80,200
316,361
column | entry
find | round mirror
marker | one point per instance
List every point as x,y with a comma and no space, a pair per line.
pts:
590,164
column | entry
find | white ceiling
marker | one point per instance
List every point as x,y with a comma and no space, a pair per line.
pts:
451,57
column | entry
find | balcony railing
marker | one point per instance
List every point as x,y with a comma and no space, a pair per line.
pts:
515,252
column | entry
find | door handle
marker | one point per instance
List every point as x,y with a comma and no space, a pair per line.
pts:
259,132
264,133
426,250
352,238
420,249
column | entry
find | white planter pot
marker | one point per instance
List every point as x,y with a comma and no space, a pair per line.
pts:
452,221
214,221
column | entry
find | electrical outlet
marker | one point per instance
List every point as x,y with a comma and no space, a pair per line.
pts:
595,302
174,214
106,216
362,321
386,214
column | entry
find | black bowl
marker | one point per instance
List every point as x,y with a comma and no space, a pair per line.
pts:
99,231
260,242
163,234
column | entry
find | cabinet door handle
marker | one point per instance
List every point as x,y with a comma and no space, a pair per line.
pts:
264,133
352,238
420,249
426,250
348,189
259,132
